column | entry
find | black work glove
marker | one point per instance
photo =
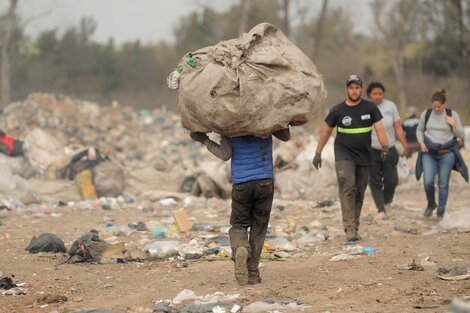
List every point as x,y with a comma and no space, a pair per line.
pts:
198,136
384,154
317,161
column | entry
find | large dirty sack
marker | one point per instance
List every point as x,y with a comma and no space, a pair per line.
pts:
55,190
109,179
253,85
18,165
46,243
13,186
42,148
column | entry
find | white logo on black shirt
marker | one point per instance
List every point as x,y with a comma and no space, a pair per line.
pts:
365,117
347,120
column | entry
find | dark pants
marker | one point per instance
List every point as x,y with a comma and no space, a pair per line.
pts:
383,178
251,208
352,184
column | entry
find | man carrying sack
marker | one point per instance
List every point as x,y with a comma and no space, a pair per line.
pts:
247,90
252,196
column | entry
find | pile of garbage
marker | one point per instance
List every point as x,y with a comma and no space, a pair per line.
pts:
149,150
150,146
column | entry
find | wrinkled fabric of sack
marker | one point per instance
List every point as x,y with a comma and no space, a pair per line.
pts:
46,243
254,85
109,179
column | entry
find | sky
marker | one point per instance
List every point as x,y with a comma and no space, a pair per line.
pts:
149,21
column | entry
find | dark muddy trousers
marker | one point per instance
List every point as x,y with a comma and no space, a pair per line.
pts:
251,208
352,184
383,178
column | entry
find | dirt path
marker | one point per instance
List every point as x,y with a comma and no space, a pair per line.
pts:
367,284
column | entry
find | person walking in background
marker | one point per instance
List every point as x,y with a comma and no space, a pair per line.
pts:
354,118
439,134
383,173
410,124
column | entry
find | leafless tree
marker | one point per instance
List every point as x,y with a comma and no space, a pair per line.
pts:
319,28
397,23
244,10
5,58
286,17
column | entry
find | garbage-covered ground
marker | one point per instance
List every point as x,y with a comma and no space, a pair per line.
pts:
137,256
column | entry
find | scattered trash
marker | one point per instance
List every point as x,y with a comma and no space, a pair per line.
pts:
325,203
87,248
163,249
203,228
413,231
411,267
139,226
193,250
168,202
280,244
428,262
184,295
15,291
454,273
369,250
182,221
6,283
46,243
272,305
160,231
215,302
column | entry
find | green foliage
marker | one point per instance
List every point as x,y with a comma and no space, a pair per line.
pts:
135,74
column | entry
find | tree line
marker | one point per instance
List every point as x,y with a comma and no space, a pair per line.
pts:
413,47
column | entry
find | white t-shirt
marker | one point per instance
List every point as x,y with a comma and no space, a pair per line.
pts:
390,116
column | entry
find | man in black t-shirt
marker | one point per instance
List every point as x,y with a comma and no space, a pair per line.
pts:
354,119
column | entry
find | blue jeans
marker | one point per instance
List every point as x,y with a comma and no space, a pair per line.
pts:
440,164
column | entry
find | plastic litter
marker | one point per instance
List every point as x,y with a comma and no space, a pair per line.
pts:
160,231
139,226
163,249
270,306
184,295
168,202
46,243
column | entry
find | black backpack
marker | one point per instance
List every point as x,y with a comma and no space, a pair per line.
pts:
428,114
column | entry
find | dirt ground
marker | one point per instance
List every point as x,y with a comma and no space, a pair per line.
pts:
367,284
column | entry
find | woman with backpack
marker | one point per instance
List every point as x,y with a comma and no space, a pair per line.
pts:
439,134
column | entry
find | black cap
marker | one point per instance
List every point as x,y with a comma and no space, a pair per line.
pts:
354,79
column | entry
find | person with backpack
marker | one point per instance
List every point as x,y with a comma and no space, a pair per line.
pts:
439,134
384,174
